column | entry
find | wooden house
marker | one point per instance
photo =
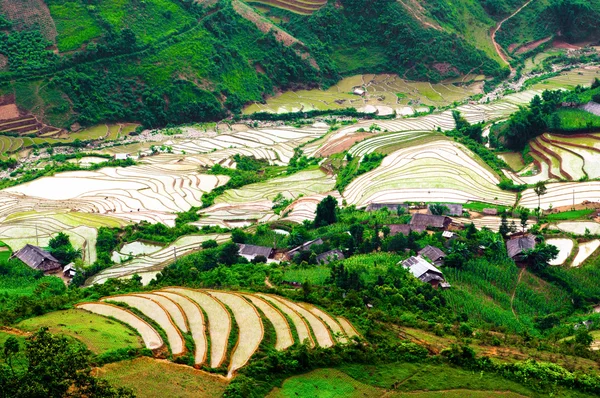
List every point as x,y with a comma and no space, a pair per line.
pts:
516,246
331,255
425,271
250,252
433,253
453,209
424,221
303,247
38,259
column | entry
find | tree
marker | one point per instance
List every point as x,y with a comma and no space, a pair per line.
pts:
504,227
439,209
539,257
326,213
540,189
238,236
524,217
357,232
61,248
11,348
56,367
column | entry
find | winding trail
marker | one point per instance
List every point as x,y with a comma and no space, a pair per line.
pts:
512,298
499,49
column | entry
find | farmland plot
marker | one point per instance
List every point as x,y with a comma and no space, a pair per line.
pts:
579,227
195,320
182,306
304,208
156,261
219,323
158,314
251,331
492,222
564,246
585,250
151,338
440,171
562,194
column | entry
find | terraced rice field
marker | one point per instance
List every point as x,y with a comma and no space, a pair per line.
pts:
147,192
406,175
585,250
156,261
579,227
562,194
385,94
564,246
304,208
172,307
491,222
304,7
567,157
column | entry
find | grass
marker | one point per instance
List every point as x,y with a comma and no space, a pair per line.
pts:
156,378
98,333
479,206
74,25
315,274
513,159
570,215
324,383
577,119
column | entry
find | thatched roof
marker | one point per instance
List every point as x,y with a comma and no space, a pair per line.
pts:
515,247
490,212
453,209
404,229
422,269
393,207
254,251
37,258
429,220
432,253
334,254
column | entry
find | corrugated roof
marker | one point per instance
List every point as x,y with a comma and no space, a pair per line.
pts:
37,258
305,246
252,250
331,254
418,266
432,253
429,220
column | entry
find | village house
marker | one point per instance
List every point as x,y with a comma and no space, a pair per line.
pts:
38,259
121,156
392,207
425,271
433,253
490,212
69,271
516,246
303,247
424,221
250,252
331,255
359,91
453,209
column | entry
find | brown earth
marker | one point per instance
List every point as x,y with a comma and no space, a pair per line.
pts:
26,13
9,111
531,45
341,145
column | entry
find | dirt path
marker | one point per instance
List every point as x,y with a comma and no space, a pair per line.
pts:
268,282
499,49
512,298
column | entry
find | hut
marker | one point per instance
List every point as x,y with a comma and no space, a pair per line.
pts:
433,253
303,247
69,270
424,221
250,252
331,255
453,209
425,271
516,246
38,259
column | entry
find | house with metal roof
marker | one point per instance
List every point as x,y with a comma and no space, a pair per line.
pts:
433,253
250,252
425,221
424,271
516,246
303,247
38,259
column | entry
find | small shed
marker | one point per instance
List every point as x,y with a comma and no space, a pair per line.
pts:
433,253
303,247
453,209
331,255
38,259
359,91
516,246
447,234
392,207
250,252
121,156
490,212
69,270
424,271
425,221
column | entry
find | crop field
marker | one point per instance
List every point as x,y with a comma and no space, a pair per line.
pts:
385,93
152,339
562,194
570,79
304,208
491,222
155,261
564,246
153,378
579,227
98,333
305,7
159,314
567,157
405,175
147,192
205,313
585,250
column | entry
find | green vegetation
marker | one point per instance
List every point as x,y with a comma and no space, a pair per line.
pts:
97,333
574,120
355,167
569,215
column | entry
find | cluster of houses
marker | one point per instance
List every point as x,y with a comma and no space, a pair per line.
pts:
252,252
40,260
